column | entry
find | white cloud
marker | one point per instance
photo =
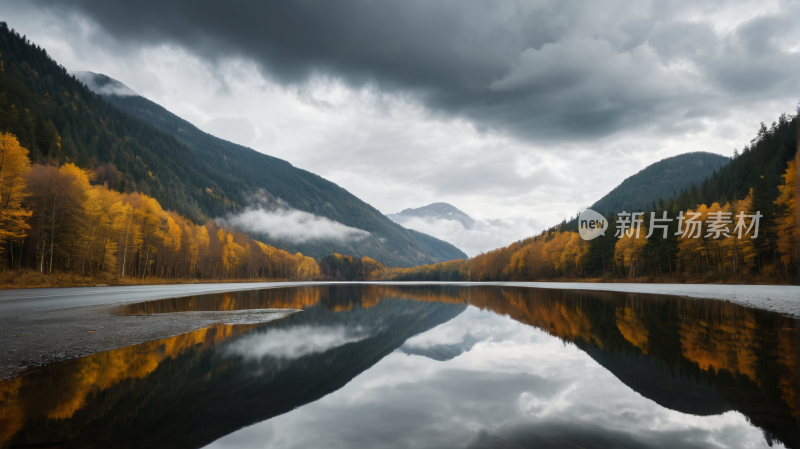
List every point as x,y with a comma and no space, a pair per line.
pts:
291,224
294,342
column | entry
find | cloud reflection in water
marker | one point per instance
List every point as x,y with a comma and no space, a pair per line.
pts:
295,342
515,386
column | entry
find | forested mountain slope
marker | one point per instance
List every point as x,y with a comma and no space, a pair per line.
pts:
145,148
662,179
749,182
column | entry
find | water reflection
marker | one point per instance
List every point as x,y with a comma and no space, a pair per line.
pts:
373,366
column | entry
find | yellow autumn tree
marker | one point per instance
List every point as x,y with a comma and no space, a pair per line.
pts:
692,251
100,224
57,196
552,250
629,250
149,215
717,248
14,164
232,252
172,246
518,264
372,269
574,255
787,228
128,236
201,236
307,269
747,254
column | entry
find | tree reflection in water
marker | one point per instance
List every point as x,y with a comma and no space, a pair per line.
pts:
693,356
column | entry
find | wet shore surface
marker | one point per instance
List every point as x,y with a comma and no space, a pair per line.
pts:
38,339
21,301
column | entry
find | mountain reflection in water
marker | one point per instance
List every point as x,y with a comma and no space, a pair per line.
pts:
428,366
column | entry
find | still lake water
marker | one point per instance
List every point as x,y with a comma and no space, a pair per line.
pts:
373,366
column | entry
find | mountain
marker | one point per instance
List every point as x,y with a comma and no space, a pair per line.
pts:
662,179
148,149
283,182
440,211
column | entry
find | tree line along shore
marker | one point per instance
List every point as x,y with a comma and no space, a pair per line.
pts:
61,225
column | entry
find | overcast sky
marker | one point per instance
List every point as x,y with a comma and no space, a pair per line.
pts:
519,111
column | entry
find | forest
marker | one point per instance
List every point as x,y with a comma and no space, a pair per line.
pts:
63,218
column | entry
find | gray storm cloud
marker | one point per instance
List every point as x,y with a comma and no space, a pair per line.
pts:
505,105
541,70
294,225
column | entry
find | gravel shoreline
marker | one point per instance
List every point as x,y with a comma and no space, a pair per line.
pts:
43,338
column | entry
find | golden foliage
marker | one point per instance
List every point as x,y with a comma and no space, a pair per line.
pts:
725,344
307,268
787,206
66,220
14,164
629,250
90,229
632,327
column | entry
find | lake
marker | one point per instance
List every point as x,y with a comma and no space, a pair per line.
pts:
378,366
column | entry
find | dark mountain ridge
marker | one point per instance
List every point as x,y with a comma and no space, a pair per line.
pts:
662,179
658,181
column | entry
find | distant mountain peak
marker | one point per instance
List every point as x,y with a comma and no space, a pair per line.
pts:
440,211
442,352
104,85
